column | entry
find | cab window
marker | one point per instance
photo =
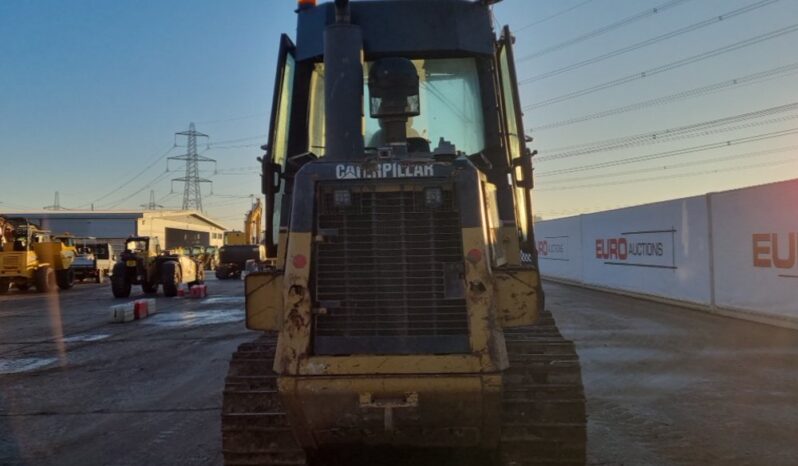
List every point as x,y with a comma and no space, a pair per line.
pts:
451,106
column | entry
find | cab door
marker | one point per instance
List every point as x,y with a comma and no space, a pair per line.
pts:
520,157
274,161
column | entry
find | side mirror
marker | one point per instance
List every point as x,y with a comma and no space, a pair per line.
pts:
522,170
271,179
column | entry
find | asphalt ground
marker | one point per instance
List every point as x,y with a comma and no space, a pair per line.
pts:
76,389
667,385
664,385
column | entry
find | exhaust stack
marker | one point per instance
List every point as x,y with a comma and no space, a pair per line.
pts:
343,86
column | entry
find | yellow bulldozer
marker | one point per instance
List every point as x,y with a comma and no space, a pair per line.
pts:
404,318
32,257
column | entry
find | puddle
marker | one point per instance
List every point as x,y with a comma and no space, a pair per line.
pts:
194,318
85,337
224,300
13,366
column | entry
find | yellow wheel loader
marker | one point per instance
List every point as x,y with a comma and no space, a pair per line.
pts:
403,317
31,257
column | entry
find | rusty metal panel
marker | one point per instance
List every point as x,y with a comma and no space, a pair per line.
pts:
400,410
519,297
264,300
392,364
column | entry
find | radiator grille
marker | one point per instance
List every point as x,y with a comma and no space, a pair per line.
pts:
387,272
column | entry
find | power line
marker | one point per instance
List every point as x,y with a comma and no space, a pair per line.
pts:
232,196
680,175
112,204
672,153
552,16
230,141
597,32
761,76
667,138
238,118
664,68
695,26
670,134
678,165
134,178
240,146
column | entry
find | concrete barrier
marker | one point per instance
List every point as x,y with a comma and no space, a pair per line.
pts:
134,310
198,291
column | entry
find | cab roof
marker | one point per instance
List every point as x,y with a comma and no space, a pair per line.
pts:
414,28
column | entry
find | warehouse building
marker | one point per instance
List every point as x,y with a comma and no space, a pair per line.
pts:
173,228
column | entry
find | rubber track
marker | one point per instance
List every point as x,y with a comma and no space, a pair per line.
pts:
543,404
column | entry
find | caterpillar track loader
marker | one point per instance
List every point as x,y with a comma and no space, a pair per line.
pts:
403,316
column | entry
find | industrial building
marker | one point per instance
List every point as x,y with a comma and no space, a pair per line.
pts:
173,228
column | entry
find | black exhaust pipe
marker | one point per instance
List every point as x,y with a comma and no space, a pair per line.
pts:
343,86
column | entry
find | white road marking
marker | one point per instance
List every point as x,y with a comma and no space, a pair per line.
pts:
194,318
224,300
85,337
13,366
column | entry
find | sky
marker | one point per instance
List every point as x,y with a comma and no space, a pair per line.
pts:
92,92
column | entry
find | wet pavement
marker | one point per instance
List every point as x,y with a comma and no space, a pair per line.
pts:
76,389
665,385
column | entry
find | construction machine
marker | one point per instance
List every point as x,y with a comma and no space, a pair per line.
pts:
252,227
207,256
94,259
233,259
403,317
144,263
32,257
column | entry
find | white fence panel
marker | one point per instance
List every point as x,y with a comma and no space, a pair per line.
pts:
755,234
559,244
657,249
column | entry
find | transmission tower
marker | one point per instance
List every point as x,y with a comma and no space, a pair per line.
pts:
56,203
192,195
152,205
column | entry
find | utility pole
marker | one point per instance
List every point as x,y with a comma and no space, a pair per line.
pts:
192,195
56,203
152,205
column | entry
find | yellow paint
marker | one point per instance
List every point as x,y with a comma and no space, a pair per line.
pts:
282,244
294,339
486,338
512,250
264,300
518,292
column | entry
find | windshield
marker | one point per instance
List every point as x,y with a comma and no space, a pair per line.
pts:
138,245
451,106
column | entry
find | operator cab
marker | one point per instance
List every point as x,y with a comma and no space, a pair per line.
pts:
433,90
142,244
